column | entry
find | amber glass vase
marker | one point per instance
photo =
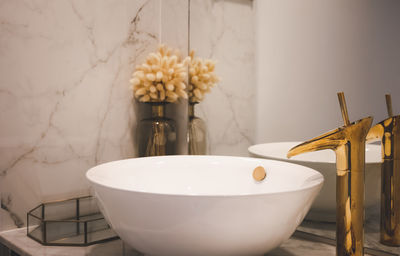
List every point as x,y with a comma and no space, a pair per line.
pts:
197,133
157,134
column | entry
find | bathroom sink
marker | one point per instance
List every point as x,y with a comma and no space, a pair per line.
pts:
203,205
324,207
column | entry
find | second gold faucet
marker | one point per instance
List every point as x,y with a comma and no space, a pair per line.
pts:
388,132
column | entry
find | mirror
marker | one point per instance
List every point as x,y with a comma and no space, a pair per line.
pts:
217,32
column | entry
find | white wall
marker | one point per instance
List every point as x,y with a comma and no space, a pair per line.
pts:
308,50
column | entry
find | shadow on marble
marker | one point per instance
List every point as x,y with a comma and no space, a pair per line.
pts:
371,233
120,247
280,252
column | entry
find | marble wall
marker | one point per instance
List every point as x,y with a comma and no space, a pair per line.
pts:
224,31
65,100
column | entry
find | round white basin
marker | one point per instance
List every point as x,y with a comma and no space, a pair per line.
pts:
324,207
203,205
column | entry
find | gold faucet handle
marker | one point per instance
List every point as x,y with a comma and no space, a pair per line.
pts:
390,124
387,132
389,104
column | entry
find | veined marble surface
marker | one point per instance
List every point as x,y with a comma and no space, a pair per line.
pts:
224,31
21,244
6,221
17,241
299,244
64,95
65,99
371,232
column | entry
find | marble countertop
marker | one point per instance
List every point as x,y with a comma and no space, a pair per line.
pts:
17,241
371,237
299,244
371,233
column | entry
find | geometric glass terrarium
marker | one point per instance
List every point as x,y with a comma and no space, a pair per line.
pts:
71,222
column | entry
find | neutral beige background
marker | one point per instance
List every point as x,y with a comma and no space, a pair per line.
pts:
307,51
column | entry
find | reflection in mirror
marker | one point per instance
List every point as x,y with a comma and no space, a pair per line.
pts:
224,31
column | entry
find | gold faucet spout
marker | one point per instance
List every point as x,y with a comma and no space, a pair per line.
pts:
329,140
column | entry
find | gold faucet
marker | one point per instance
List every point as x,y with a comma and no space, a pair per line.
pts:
348,142
388,132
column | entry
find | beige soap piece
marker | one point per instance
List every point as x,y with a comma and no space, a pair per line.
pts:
259,173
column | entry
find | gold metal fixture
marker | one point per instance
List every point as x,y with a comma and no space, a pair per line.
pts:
259,173
388,132
343,108
157,110
389,104
348,142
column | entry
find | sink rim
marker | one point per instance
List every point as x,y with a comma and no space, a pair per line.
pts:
254,150
315,179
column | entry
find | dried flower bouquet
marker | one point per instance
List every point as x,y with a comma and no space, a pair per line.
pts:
162,77
201,77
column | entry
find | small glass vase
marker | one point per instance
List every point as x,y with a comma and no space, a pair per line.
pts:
197,133
157,135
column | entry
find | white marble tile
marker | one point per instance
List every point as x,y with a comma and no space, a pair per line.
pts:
223,30
371,232
65,100
6,222
18,241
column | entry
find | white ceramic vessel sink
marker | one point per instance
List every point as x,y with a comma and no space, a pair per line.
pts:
324,207
203,205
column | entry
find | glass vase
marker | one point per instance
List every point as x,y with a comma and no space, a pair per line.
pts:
157,135
197,133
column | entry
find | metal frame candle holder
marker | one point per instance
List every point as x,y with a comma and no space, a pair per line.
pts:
70,222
